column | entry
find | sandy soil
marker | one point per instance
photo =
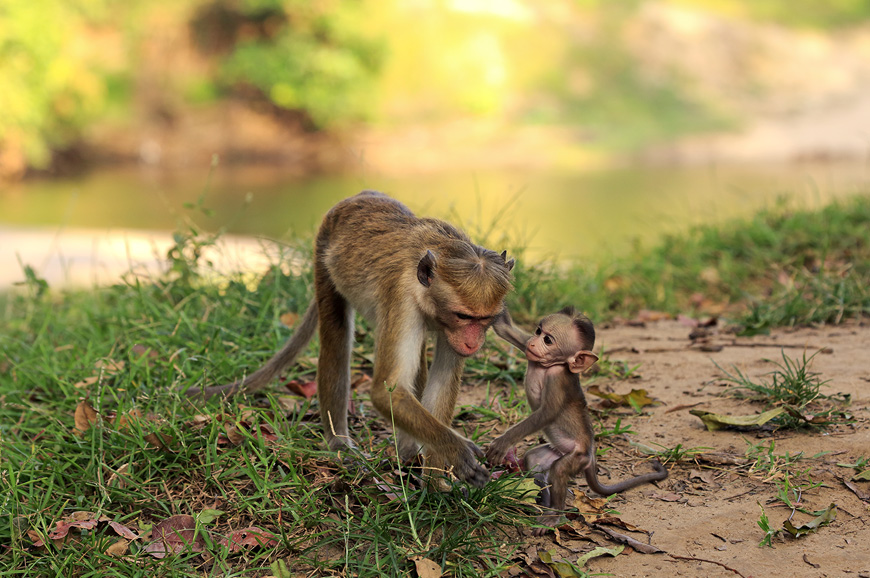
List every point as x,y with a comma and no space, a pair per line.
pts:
708,508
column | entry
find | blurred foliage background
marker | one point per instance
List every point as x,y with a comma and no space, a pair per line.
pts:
112,79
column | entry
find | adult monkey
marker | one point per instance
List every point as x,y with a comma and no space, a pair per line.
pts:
406,275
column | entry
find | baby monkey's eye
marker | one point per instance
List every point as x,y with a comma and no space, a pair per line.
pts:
548,340
538,331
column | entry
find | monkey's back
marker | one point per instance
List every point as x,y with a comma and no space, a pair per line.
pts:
387,240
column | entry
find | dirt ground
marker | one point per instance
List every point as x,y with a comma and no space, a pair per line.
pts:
708,508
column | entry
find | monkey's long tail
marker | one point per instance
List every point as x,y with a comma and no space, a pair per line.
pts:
660,473
279,362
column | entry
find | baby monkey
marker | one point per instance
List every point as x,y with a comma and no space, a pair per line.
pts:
558,352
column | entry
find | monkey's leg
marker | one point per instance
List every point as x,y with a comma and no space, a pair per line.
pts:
333,366
539,460
561,471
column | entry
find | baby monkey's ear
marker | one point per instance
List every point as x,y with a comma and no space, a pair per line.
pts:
581,361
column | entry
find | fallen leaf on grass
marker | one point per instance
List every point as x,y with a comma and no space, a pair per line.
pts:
826,517
636,398
426,568
863,476
123,531
248,538
140,350
118,549
174,535
715,421
85,416
280,570
306,389
86,382
208,516
235,434
360,380
109,366
80,521
289,319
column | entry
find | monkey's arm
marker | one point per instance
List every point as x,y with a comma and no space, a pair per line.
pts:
504,327
552,401
499,448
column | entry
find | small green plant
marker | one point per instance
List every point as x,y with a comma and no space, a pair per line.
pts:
861,465
791,494
764,524
678,453
767,461
616,430
793,387
791,384
613,368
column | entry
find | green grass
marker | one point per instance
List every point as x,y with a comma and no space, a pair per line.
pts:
128,349
793,386
781,268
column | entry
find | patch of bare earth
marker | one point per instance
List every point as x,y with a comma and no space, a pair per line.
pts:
704,516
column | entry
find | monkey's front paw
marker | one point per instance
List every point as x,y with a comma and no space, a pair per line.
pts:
467,467
548,520
496,452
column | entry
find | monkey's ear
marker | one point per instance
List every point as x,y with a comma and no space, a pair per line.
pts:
508,264
425,268
581,361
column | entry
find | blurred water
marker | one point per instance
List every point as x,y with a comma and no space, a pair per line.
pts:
565,215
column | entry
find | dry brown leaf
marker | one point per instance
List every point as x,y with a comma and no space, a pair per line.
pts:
174,535
360,380
289,319
426,568
158,440
231,434
143,351
123,531
109,366
248,538
118,549
86,382
629,541
705,476
667,496
85,416
306,389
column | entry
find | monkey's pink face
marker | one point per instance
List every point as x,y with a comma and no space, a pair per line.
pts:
465,331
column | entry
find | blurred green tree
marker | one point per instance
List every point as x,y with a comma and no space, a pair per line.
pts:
311,58
49,88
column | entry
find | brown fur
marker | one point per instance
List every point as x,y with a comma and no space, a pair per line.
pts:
405,275
558,352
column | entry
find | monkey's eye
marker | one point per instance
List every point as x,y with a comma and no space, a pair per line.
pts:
463,316
538,331
548,340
